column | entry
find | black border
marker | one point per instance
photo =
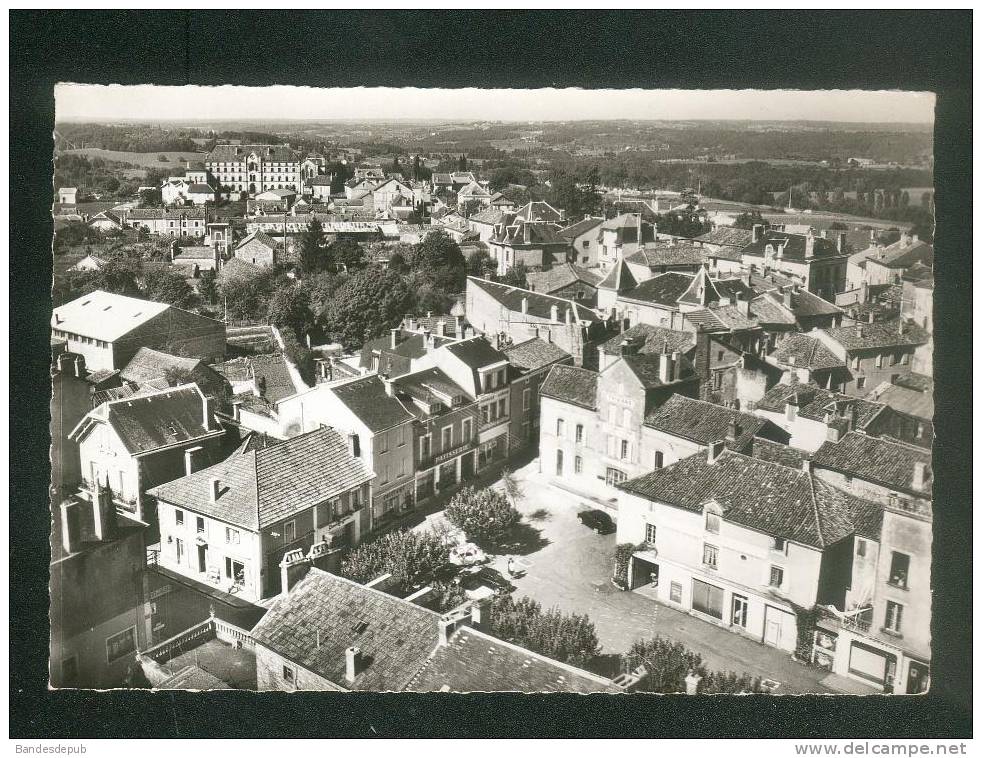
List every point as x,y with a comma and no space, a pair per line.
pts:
807,50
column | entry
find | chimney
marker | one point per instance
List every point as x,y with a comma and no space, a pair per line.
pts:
66,364
714,450
914,239
864,292
352,664
459,326
806,466
554,313
354,445
390,389
103,514
208,414
569,315
791,407
920,475
192,459
732,431
840,242
780,249
758,232
214,488
905,239
743,304
427,338
664,368
441,328
80,366
481,614
447,626
393,339
410,322
293,568
832,433
787,298
525,305
676,367
810,244
859,331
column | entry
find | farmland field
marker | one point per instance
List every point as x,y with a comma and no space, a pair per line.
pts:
144,160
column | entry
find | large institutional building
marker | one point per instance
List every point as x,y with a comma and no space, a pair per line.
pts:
254,168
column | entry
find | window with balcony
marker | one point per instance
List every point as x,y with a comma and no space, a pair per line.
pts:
899,570
710,556
894,617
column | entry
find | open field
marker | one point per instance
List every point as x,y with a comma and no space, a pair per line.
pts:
144,160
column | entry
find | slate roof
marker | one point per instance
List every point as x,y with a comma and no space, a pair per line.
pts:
148,422
619,278
909,401
538,210
775,452
815,403
324,615
489,216
573,231
477,662
239,153
764,496
877,460
880,334
805,303
201,189
899,255
561,276
518,233
266,485
431,384
656,339
105,315
703,422
534,354
794,246
475,352
368,400
539,304
645,368
661,290
571,385
807,352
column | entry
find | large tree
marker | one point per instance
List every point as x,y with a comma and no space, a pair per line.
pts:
485,516
368,304
440,260
289,308
480,264
565,637
168,287
312,255
516,276
346,255
667,663
411,557
577,201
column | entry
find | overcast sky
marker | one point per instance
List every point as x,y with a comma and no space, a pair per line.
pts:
77,102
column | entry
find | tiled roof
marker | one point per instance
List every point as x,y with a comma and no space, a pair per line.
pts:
656,339
538,211
877,460
804,303
520,232
761,495
899,255
573,231
239,153
150,364
669,254
489,216
324,615
771,311
661,290
266,485
105,315
878,335
201,189
431,384
260,237
727,235
534,354
236,267
645,368
816,403
473,661
571,385
475,352
561,276
273,376
807,352
704,422
775,452
149,422
539,305
374,407
145,214
720,318
909,401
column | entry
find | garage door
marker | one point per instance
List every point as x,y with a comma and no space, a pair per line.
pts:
707,599
869,662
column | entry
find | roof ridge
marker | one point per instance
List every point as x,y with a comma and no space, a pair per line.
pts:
818,518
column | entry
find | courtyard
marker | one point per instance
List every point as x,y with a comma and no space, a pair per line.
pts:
569,566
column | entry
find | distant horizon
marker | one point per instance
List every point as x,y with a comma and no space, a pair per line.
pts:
92,103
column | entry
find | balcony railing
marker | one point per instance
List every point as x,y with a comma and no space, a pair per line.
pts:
858,622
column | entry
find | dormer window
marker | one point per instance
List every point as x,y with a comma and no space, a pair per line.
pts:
712,515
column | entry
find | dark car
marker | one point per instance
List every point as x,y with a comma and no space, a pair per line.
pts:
485,577
598,521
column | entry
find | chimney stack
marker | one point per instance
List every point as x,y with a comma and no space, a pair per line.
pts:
806,466
732,431
459,326
840,242
441,328
787,298
676,367
554,313
758,232
352,664
714,451
525,305
214,488
447,626
481,614
192,459
393,339
208,414
569,315
810,244
665,368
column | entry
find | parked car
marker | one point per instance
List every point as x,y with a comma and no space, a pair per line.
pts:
599,521
467,554
475,578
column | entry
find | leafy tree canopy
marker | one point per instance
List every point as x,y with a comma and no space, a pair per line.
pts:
565,637
368,304
411,558
485,516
